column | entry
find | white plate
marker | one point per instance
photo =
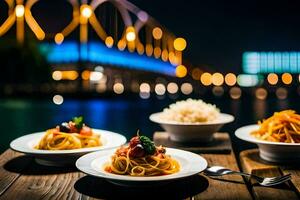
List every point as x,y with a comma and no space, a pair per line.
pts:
270,151
93,164
192,132
26,143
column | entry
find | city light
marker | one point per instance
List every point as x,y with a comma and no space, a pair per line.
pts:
160,89
86,11
287,78
118,88
57,75
20,10
85,75
247,80
230,79
121,45
181,71
217,79
157,33
235,92
149,49
140,48
179,44
109,41
59,38
165,55
272,78
145,87
172,88
186,88
130,34
281,93
218,91
196,73
96,76
206,79
157,52
261,93
58,99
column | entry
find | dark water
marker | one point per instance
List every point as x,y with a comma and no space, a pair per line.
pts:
23,116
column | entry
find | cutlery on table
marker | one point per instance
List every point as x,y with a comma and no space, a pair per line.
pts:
264,181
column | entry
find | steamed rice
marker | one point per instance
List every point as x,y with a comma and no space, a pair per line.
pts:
190,111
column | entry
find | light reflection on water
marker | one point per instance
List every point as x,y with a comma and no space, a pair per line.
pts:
20,117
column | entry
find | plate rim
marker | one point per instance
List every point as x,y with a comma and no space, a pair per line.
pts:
243,135
127,178
32,151
153,118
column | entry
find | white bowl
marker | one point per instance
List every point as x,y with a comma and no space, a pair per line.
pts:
26,144
192,132
278,152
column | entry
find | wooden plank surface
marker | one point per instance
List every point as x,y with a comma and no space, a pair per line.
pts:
220,144
7,161
252,163
227,187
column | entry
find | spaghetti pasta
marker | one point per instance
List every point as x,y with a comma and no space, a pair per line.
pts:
283,126
67,136
134,160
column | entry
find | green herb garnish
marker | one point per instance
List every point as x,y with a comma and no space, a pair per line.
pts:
78,122
148,145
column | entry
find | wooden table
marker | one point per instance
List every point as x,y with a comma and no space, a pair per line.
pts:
22,178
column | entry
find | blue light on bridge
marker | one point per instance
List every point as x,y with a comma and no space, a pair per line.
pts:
267,62
94,52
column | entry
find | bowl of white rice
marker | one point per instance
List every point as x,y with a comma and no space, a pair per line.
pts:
191,120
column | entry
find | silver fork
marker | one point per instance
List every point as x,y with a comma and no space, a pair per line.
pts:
269,181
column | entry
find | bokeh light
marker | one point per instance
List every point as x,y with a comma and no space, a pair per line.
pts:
130,34
218,91
165,55
118,88
235,92
109,41
121,45
272,79
179,44
261,93
59,38
172,88
230,79
149,49
157,33
86,11
96,76
57,75
206,79
160,89
281,93
157,52
58,99
19,10
217,79
287,78
196,74
186,88
145,88
181,71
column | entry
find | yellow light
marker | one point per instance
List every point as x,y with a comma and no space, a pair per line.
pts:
157,52
196,74
230,79
140,48
179,44
57,75
121,45
109,41
19,10
149,49
206,79
69,75
165,55
145,88
172,57
118,88
130,34
181,71
86,11
157,33
59,38
85,75
96,76
287,78
272,79
217,79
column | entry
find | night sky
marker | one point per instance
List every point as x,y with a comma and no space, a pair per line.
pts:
217,32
